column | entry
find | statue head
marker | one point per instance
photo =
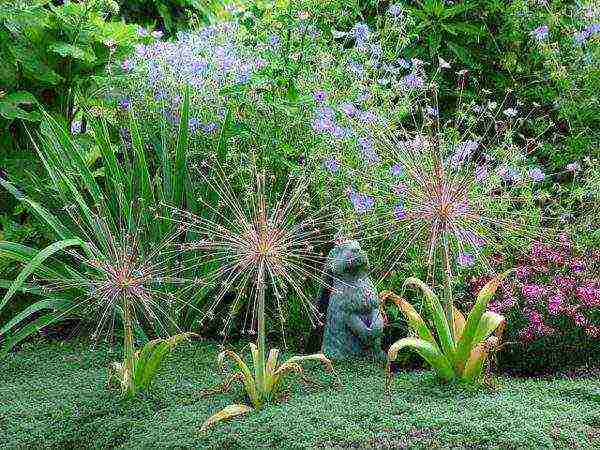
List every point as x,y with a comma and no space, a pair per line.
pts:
346,258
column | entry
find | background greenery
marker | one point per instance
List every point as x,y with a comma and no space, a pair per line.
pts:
66,57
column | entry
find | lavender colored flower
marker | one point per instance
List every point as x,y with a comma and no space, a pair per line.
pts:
462,152
536,174
325,111
397,170
395,10
210,128
540,33
76,127
431,111
580,37
320,96
356,68
413,81
481,173
127,65
157,34
142,32
403,63
400,212
573,167
323,124
331,164
349,109
367,116
273,41
361,202
510,112
125,103
360,31
194,125
465,259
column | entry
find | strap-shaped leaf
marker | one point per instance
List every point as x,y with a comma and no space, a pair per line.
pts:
414,319
226,413
459,323
42,213
36,262
467,340
51,303
249,382
428,351
437,312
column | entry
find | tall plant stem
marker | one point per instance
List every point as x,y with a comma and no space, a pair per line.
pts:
448,300
261,344
128,344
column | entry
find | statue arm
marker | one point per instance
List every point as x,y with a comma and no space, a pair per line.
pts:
376,322
358,327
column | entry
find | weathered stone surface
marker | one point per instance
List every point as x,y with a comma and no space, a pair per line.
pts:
354,322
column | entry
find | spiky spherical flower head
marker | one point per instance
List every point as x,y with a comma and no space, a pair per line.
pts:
264,239
117,275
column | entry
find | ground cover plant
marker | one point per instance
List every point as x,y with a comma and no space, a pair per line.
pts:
173,175
54,395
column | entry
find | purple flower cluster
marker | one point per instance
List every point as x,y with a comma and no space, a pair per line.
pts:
208,61
580,37
462,152
360,201
540,33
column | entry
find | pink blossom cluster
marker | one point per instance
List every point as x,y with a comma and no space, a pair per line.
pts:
554,288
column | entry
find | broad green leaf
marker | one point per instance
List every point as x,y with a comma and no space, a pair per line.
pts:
467,340
65,50
428,351
21,97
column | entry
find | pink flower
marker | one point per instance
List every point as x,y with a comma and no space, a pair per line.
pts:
564,282
523,272
555,302
533,291
577,265
580,320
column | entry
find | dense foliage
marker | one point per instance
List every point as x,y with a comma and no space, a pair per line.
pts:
455,139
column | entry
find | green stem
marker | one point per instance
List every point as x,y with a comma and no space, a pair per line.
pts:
261,344
129,350
448,300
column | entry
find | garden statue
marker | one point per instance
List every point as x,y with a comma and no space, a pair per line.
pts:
354,321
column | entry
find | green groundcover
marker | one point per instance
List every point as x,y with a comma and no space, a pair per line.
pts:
55,396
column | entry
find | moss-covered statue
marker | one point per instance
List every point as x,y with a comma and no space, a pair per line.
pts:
354,322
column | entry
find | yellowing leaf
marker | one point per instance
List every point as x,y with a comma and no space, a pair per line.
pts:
226,413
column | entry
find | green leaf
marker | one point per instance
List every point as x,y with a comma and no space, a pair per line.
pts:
439,318
428,351
37,261
65,50
467,340
10,111
21,98
53,304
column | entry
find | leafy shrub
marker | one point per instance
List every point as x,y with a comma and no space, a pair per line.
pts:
553,311
52,55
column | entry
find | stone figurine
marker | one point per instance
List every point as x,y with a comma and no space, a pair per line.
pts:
354,322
